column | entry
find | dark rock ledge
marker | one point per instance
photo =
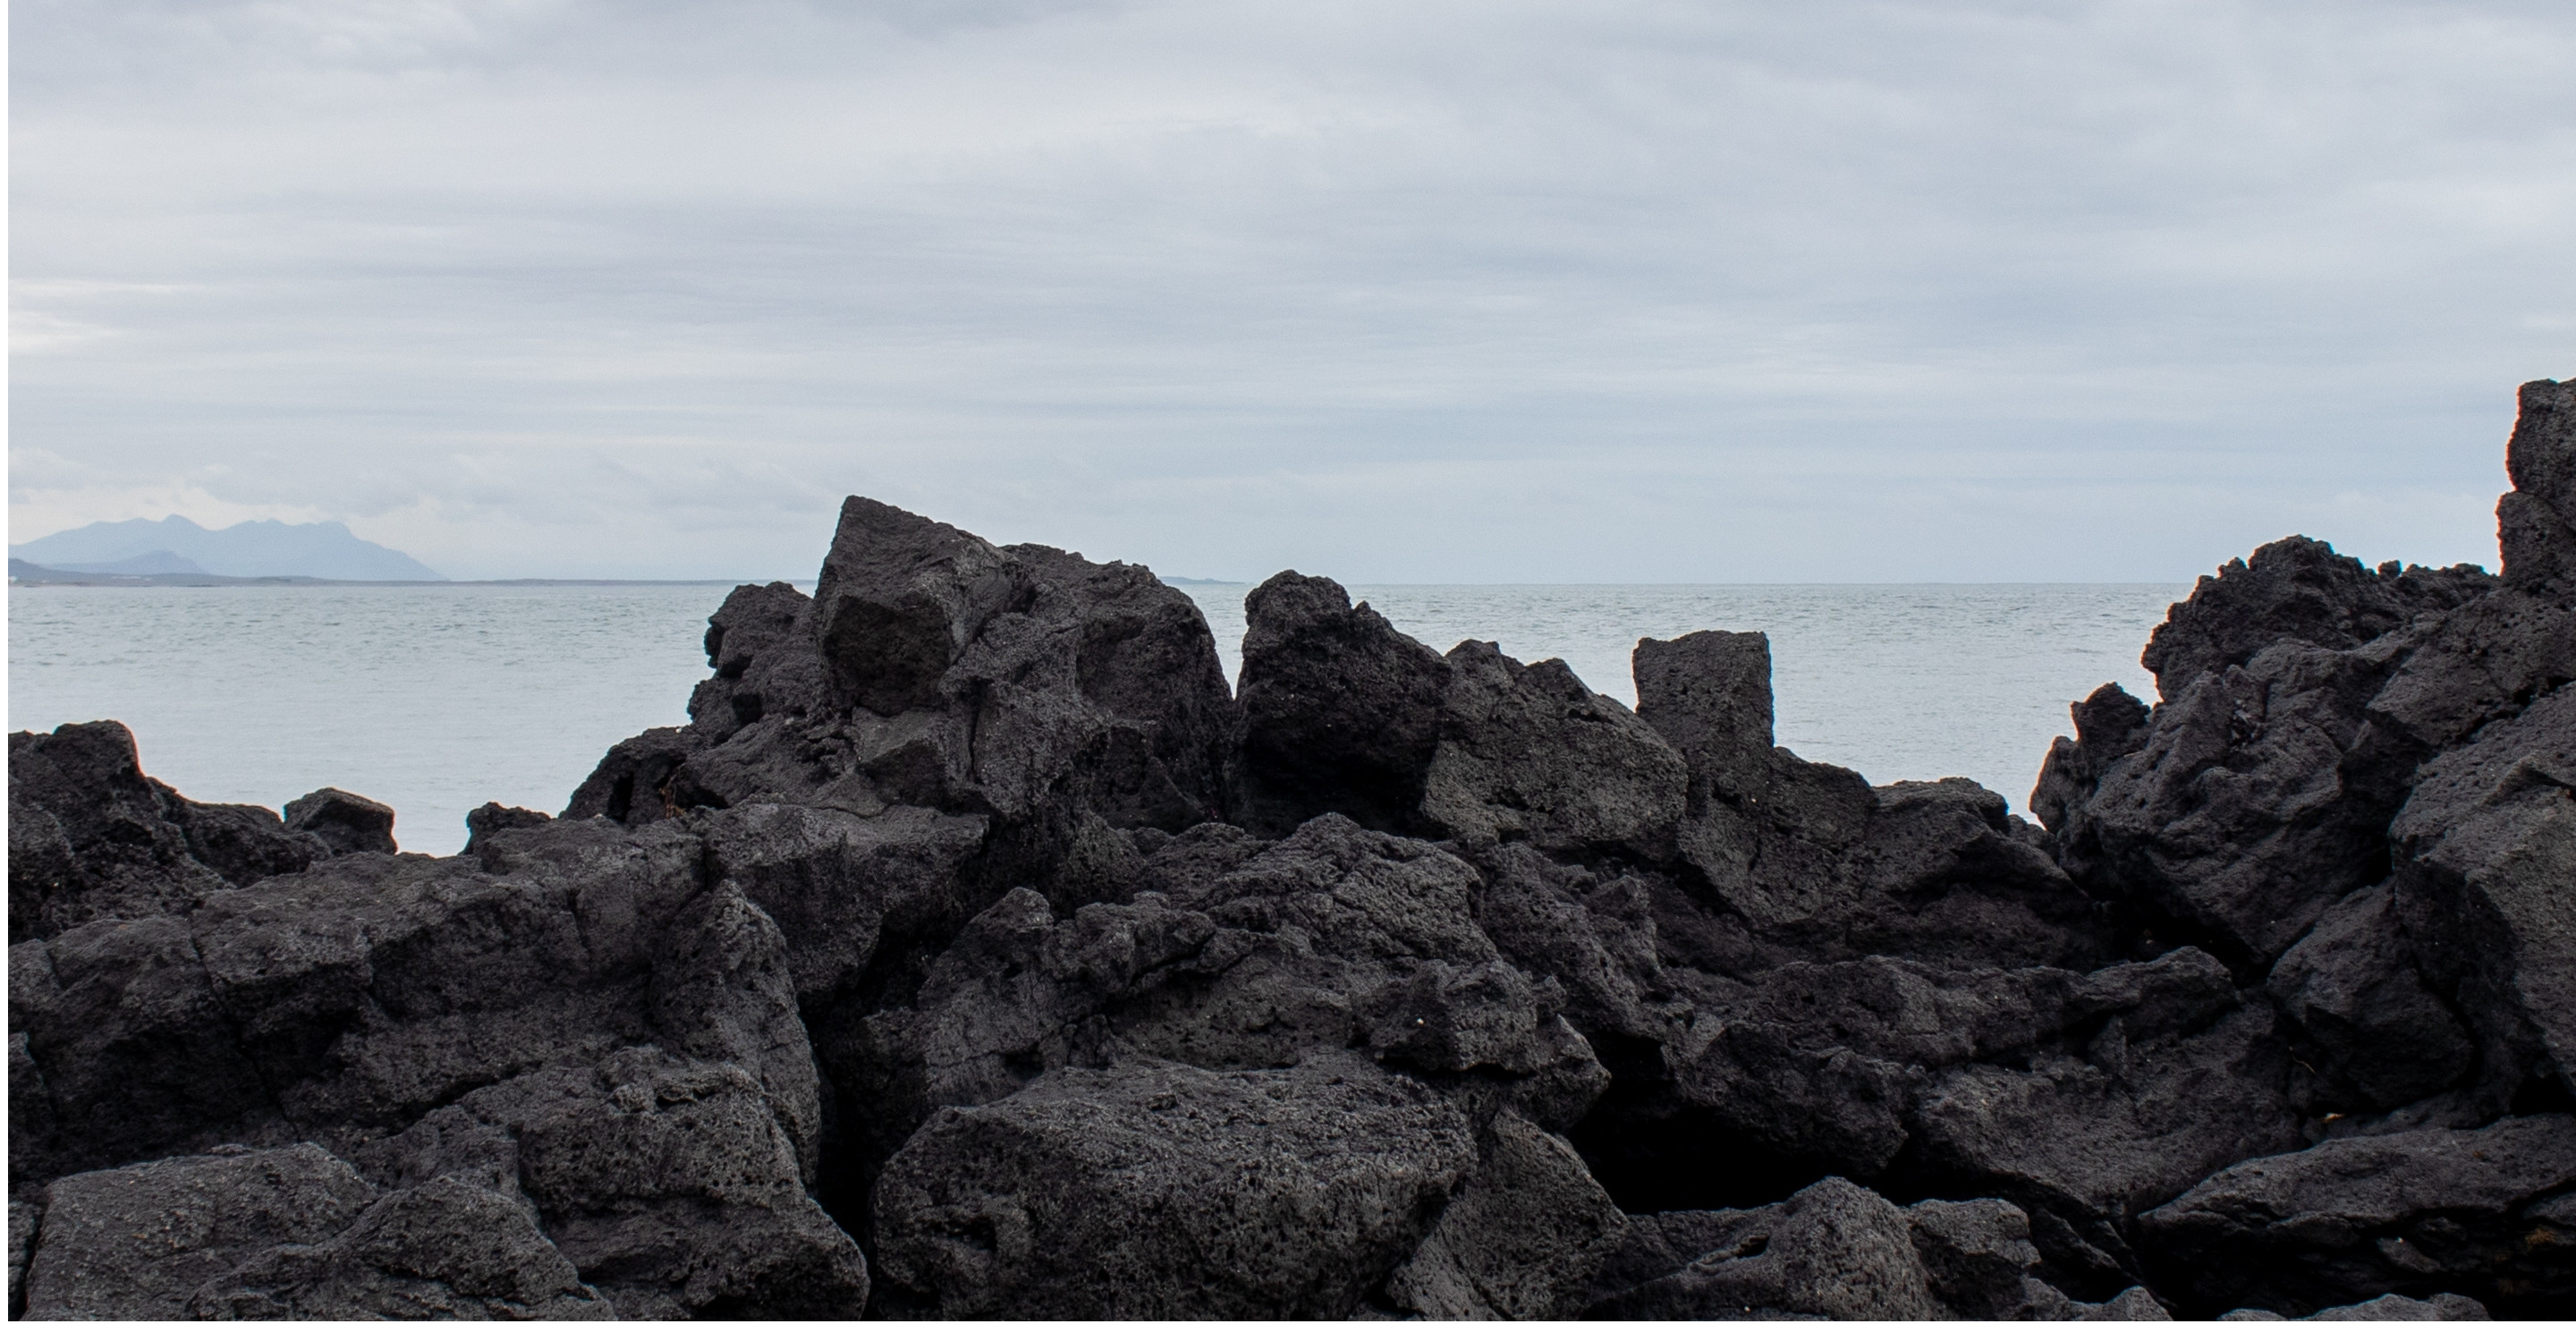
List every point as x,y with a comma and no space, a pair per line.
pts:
975,952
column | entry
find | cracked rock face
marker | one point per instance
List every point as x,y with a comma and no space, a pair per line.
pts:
974,952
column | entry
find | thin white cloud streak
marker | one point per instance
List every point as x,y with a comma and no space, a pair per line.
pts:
1492,292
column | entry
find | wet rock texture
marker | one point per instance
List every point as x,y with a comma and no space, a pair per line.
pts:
975,951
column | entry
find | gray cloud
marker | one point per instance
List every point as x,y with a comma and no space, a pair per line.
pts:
1440,292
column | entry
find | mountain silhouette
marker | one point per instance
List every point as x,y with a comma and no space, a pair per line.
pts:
251,548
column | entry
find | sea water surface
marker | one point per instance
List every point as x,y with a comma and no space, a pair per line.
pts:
437,698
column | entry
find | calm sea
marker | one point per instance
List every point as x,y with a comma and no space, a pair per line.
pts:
435,699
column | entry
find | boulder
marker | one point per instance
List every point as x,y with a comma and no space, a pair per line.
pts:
2109,725
2375,1035
129,1050
2486,846
2261,797
2480,1212
1946,874
1807,861
1168,1190
2083,1098
2086,1143
445,1250
760,646
1832,1251
2536,522
493,816
137,1242
1594,935
1520,1239
2441,1305
347,823
638,781
1709,694
2296,589
1335,938
839,886
577,1016
2482,663
1978,1259
1528,753
1341,713
670,1183
935,669
91,837
1828,1060
292,1233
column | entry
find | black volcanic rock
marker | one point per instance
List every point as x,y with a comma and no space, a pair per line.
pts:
1808,861
97,1253
2295,589
1709,693
2380,1036
1170,1190
1832,1251
2110,724
492,816
1527,753
2488,1213
972,952
291,1233
2261,796
347,823
1341,714
2536,521
91,837
2486,887
1519,1240
937,670
2441,1305
566,1017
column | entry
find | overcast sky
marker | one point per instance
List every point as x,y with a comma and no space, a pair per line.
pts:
1423,292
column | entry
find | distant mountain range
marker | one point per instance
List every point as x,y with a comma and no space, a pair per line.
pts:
179,545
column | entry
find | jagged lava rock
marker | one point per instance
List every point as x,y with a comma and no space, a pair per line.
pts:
347,822
1519,1240
1168,1190
2486,886
2381,1036
972,921
2441,1305
1816,864
2536,521
935,669
2260,797
1835,1250
1528,753
1832,1251
2295,589
2110,724
573,981
91,837
139,1241
293,1233
2487,1213
1341,713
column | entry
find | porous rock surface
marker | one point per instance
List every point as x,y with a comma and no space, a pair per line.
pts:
975,951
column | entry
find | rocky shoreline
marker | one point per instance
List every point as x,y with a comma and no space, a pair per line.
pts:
975,952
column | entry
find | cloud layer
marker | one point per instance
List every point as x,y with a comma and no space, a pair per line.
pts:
1437,292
